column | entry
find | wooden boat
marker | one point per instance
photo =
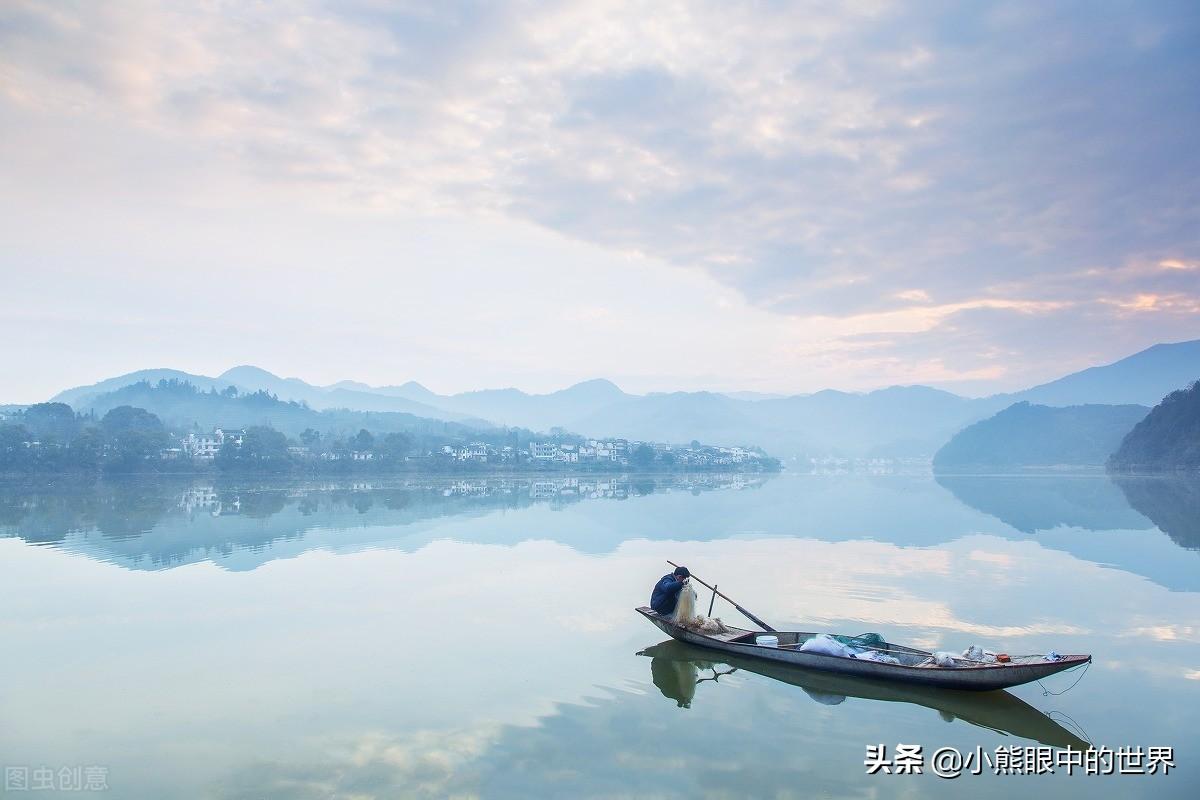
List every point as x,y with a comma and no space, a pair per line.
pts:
914,667
674,664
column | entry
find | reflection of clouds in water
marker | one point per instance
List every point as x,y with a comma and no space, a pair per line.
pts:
358,642
865,582
1062,603
998,559
418,764
1165,633
590,622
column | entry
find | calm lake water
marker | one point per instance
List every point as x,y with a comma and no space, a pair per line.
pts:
477,637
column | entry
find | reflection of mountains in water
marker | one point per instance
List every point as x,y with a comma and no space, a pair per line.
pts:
159,523
678,669
1171,502
165,522
1032,503
1097,518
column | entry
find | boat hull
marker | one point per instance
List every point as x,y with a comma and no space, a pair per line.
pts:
973,678
998,711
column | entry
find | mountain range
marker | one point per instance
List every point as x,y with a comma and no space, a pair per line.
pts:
896,421
1027,435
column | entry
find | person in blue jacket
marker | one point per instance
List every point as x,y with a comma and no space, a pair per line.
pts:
666,591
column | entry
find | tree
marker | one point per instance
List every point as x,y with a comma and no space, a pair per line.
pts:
396,446
643,456
363,441
230,392
130,418
136,436
13,452
136,450
262,448
86,449
309,437
52,419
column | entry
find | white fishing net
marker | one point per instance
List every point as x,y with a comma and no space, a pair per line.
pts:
685,614
685,607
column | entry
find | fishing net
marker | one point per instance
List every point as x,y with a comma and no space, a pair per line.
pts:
685,607
685,614
862,640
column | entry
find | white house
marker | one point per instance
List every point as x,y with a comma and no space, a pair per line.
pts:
205,446
543,451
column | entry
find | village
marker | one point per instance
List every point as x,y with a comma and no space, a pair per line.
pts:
542,453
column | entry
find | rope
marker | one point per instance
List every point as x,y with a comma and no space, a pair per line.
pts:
1078,728
1046,692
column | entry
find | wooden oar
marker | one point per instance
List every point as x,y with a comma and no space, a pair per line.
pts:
733,602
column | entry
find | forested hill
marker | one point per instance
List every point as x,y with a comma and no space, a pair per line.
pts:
1168,438
182,405
1025,435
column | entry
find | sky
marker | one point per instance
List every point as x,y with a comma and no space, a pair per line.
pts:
766,196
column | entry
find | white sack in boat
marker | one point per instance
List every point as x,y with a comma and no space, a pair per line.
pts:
827,645
977,653
874,655
944,659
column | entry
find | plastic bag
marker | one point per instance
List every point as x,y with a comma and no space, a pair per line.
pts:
944,659
977,653
825,644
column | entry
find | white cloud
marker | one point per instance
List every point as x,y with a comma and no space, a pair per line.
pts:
820,161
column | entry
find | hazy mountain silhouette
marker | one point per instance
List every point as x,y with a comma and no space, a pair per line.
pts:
1168,438
247,379
181,405
1143,378
897,421
1024,435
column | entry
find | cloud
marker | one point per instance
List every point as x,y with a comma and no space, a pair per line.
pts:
824,162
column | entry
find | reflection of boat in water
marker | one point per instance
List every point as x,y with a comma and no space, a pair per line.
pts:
676,669
899,663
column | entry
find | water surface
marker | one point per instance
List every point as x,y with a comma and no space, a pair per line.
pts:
476,637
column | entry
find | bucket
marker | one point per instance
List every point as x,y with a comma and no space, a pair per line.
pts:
767,641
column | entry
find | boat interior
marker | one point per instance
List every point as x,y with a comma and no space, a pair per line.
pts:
792,640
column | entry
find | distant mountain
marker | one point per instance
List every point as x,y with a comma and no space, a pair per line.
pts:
753,396
249,379
1168,438
336,396
409,391
538,411
901,420
912,421
1025,435
1143,378
79,396
181,405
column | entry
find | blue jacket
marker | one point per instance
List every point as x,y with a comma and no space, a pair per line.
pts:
666,594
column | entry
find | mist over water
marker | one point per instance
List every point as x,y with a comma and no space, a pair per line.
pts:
477,638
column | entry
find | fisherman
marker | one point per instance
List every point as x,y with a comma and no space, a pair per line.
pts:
666,591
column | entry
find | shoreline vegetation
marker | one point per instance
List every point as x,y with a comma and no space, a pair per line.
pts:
266,436
1165,440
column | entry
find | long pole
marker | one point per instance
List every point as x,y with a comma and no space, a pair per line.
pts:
733,602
